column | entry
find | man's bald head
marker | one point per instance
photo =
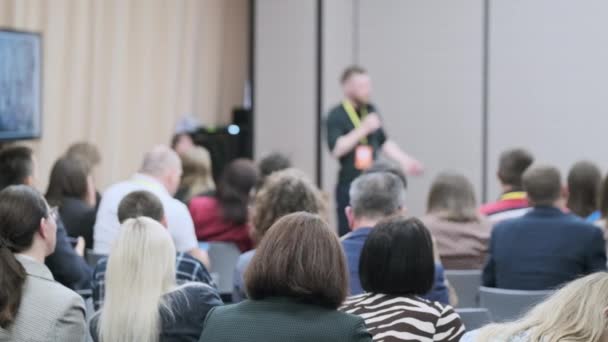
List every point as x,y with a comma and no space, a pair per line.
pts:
163,164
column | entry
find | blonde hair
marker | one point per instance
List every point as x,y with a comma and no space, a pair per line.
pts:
141,269
197,176
574,313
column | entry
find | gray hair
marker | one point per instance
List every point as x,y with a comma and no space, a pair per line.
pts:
160,160
377,195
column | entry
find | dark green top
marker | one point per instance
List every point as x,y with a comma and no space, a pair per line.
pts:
281,320
339,124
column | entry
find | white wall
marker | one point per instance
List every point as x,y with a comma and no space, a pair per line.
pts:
548,81
285,80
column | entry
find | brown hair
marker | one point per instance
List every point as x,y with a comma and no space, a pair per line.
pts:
452,198
512,165
300,258
285,192
138,204
197,176
68,180
350,72
543,185
21,210
85,151
234,187
584,182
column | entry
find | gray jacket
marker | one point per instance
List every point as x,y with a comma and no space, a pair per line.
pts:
48,311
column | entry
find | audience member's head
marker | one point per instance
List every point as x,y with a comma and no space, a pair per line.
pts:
390,167
584,182
272,163
141,269
511,167
70,178
543,185
27,226
182,142
397,258
305,240
284,192
577,312
603,200
197,177
234,188
163,164
452,198
16,166
356,84
141,204
375,196
86,152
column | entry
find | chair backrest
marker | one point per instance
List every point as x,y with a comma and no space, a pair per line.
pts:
466,283
474,318
223,257
505,305
92,258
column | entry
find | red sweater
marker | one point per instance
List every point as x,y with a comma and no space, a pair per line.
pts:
210,225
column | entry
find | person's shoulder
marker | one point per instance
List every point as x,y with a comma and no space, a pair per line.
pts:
203,202
196,294
336,113
583,227
52,296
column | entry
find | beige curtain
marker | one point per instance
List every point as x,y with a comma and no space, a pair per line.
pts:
120,73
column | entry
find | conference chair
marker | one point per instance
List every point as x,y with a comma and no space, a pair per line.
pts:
505,305
474,318
223,257
466,283
92,258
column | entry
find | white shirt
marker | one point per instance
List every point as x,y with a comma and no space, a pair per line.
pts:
178,217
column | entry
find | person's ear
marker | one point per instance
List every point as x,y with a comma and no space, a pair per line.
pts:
29,181
350,216
163,221
45,228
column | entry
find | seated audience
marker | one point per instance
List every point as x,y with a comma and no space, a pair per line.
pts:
512,203
584,182
33,307
270,164
144,203
284,192
373,197
143,302
197,176
546,247
89,154
71,189
396,268
160,174
296,281
67,264
461,234
390,167
224,217
576,313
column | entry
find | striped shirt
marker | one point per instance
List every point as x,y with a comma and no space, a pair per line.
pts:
409,318
187,268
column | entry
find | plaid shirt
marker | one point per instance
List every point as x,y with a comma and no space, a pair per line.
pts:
188,269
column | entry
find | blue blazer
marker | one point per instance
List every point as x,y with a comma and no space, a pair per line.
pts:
542,250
